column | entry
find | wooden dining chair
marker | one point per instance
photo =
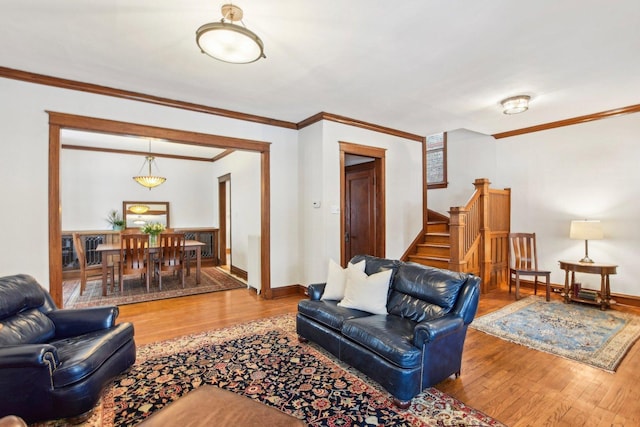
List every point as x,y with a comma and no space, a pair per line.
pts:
134,257
79,246
524,262
171,256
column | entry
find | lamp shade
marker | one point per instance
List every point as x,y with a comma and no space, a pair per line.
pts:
586,230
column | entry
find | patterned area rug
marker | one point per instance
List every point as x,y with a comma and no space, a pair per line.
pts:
264,361
578,332
135,290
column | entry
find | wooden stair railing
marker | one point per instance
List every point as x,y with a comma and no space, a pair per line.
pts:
474,239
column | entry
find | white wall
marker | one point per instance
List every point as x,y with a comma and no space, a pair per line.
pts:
320,179
24,135
582,171
244,169
470,156
94,183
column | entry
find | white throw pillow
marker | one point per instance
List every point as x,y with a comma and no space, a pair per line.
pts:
337,279
366,293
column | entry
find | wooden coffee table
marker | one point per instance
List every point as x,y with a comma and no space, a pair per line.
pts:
211,406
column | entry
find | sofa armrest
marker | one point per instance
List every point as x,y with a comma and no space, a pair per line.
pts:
29,356
72,322
315,291
432,330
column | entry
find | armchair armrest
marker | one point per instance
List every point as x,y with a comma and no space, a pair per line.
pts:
29,356
73,322
432,330
315,291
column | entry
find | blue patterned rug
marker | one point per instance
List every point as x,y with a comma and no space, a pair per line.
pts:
574,331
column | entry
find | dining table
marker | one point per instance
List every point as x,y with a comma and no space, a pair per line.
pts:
114,249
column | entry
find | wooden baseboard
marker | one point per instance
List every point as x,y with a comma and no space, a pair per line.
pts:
286,291
239,272
630,300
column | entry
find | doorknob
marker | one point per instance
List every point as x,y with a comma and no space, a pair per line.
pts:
346,236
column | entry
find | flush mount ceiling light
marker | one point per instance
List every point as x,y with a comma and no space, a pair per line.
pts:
515,104
149,180
230,42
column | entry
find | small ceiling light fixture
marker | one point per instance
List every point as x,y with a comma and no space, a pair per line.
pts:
230,42
515,104
149,180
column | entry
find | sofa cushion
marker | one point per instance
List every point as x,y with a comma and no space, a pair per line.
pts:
390,337
422,293
81,355
337,279
28,327
18,293
366,293
376,265
328,312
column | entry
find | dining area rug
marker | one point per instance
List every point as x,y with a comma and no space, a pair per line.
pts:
263,360
577,332
135,290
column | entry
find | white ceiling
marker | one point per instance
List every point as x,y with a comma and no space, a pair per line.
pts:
420,66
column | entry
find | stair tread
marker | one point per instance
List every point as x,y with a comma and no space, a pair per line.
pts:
435,245
428,257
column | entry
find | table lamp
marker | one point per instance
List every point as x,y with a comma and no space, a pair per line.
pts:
586,230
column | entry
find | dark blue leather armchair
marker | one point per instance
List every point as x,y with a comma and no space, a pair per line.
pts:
417,344
54,363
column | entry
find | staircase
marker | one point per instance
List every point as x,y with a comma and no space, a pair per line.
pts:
435,249
473,239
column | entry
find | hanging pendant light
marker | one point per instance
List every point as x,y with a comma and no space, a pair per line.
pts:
230,42
149,180
138,209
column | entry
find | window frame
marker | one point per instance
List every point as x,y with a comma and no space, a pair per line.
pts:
444,183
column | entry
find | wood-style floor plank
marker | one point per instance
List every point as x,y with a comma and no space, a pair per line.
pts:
516,385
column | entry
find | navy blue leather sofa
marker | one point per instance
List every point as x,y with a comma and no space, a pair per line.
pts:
416,345
54,363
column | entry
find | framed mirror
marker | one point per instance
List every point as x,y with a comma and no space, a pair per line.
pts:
137,214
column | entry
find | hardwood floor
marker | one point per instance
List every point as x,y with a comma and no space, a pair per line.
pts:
516,385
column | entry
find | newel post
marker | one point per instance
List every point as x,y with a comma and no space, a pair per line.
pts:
457,223
482,187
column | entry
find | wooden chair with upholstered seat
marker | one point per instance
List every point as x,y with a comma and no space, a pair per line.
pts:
171,255
134,256
85,272
523,261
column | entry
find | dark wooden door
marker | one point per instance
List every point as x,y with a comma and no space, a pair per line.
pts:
360,210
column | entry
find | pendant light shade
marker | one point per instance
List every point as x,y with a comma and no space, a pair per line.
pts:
139,209
230,42
150,181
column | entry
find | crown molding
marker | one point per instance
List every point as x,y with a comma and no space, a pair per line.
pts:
358,123
568,122
137,96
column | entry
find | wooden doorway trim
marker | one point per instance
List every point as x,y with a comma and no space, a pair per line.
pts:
222,217
378,154
59,121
